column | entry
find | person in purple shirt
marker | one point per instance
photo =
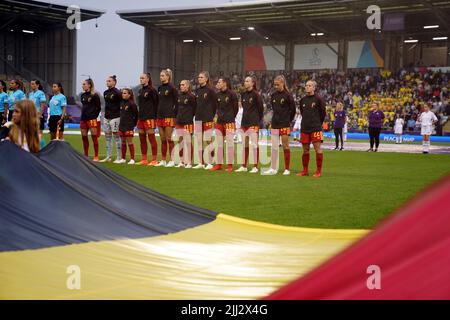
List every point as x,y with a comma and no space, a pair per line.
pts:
376,117
339,122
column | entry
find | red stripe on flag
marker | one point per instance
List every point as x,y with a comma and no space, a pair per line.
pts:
254,59
410,250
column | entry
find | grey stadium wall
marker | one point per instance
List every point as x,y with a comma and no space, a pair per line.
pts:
185,59
49,55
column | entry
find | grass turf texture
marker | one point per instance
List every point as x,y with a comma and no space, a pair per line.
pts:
357,189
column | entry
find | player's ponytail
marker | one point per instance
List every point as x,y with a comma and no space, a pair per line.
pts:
149,77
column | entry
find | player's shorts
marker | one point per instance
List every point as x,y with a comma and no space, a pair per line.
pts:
297,125
207,126
426,130
127,134
226,128
166,122
251,128
111,125
282,131
89,124
53,124
189,128
146,124
312,137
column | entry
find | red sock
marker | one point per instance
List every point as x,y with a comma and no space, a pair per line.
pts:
246,152
171,146
99,129
257,157
200,153
154,144
124,150
211,156
95,141
274,156
230,155
85,145
319,160
305,161
163,150
131,146
220,154
181,152
287,158
143,140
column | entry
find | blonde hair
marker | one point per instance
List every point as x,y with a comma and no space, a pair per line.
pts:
188,84
28,129
206,74
339,105
283,80
90,82
168,73
314,83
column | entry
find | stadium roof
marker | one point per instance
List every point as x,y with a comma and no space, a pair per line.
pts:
291,20
32,15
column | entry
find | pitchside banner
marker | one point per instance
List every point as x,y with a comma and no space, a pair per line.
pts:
389,137
265,58
315,56
365,54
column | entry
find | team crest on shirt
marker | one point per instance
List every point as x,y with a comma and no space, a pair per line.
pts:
282,101
185,101
89,99
273,101
112,96
166,93
205,95
313,105
55,102
146,95
250,100
227,99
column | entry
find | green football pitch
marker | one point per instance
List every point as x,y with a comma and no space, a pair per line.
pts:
357,189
